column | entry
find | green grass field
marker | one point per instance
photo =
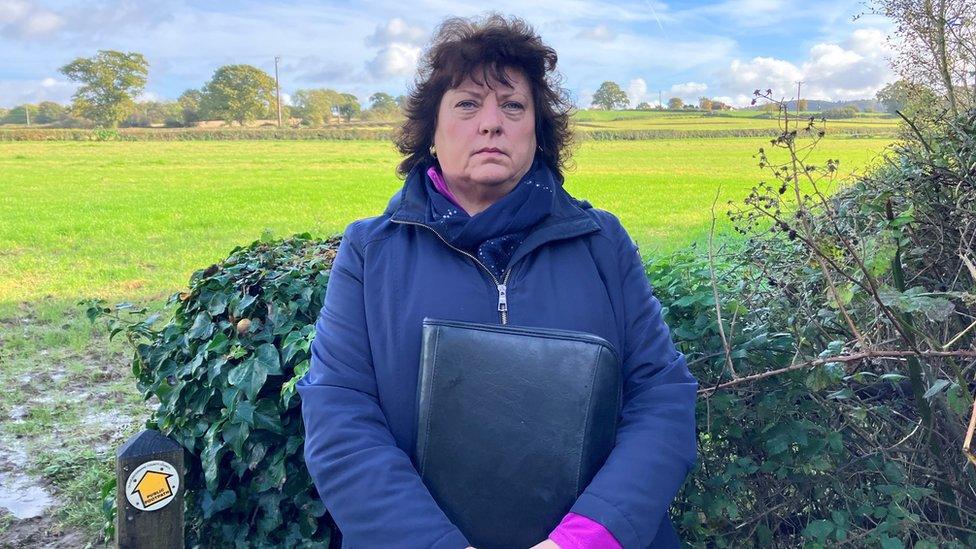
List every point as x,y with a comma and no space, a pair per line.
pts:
132,220
698,121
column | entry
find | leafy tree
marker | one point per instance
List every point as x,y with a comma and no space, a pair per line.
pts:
401,100
643,106
3,114
189,102
382,107
904,96
704,103
18,114
315,107
238,93
802,105
935,46
109,82
150,113
49,112
349,107
609,96
675,103
382,101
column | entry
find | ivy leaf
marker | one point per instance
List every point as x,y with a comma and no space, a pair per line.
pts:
249,376
267,357
212,505
818,530
267,416
202,327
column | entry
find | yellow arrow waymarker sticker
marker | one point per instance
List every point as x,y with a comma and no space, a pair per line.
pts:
152,485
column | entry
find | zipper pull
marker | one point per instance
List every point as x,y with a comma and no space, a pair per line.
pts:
502,300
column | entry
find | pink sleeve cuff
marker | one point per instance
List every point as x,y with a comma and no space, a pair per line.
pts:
579,532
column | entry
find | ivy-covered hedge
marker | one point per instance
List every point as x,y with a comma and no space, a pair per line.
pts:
223,368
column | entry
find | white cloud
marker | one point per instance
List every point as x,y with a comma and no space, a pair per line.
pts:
853,69
13,10
400,45
18,92
394,60
599,33
397,31
637,91
689,91
21,19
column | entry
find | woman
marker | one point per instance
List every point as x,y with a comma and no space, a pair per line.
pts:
483,231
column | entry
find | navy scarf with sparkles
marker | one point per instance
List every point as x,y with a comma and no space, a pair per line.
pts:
494,234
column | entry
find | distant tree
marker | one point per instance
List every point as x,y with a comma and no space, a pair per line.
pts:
704,103
189,102
897,96
401,100
238,93
48,112
609,96
3,114
383,106
675,103
382,101
349,107
109,82
155,113
770,107
643,106
18,114
315,106
720,106
802,105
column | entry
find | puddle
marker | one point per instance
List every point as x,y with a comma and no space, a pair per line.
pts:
18,412
23,497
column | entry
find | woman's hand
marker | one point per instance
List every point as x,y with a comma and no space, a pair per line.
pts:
547,544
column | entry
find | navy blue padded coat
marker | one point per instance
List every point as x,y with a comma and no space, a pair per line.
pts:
578,269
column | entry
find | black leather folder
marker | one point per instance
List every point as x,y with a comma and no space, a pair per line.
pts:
513,423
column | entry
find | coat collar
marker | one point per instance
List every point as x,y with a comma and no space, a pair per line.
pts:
567,219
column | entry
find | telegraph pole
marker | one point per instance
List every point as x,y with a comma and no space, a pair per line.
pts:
27,112
798,84
278,89
660,99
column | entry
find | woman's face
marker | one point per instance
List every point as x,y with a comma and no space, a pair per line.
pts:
485,135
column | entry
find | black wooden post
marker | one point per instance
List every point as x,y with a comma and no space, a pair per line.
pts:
149,493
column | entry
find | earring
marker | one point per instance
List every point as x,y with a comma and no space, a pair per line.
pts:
432,151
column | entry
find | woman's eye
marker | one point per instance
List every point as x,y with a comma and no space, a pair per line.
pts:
514,106
466,104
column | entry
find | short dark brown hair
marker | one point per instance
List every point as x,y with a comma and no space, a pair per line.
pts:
490,45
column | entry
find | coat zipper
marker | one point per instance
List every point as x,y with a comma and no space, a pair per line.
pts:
502,287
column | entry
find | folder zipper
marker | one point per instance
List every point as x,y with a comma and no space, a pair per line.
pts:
501,286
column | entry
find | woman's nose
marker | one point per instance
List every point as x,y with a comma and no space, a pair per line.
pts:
491,119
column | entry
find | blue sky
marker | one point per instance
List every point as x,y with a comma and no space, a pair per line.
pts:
723,49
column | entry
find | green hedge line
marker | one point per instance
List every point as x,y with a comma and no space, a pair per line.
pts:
373,134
